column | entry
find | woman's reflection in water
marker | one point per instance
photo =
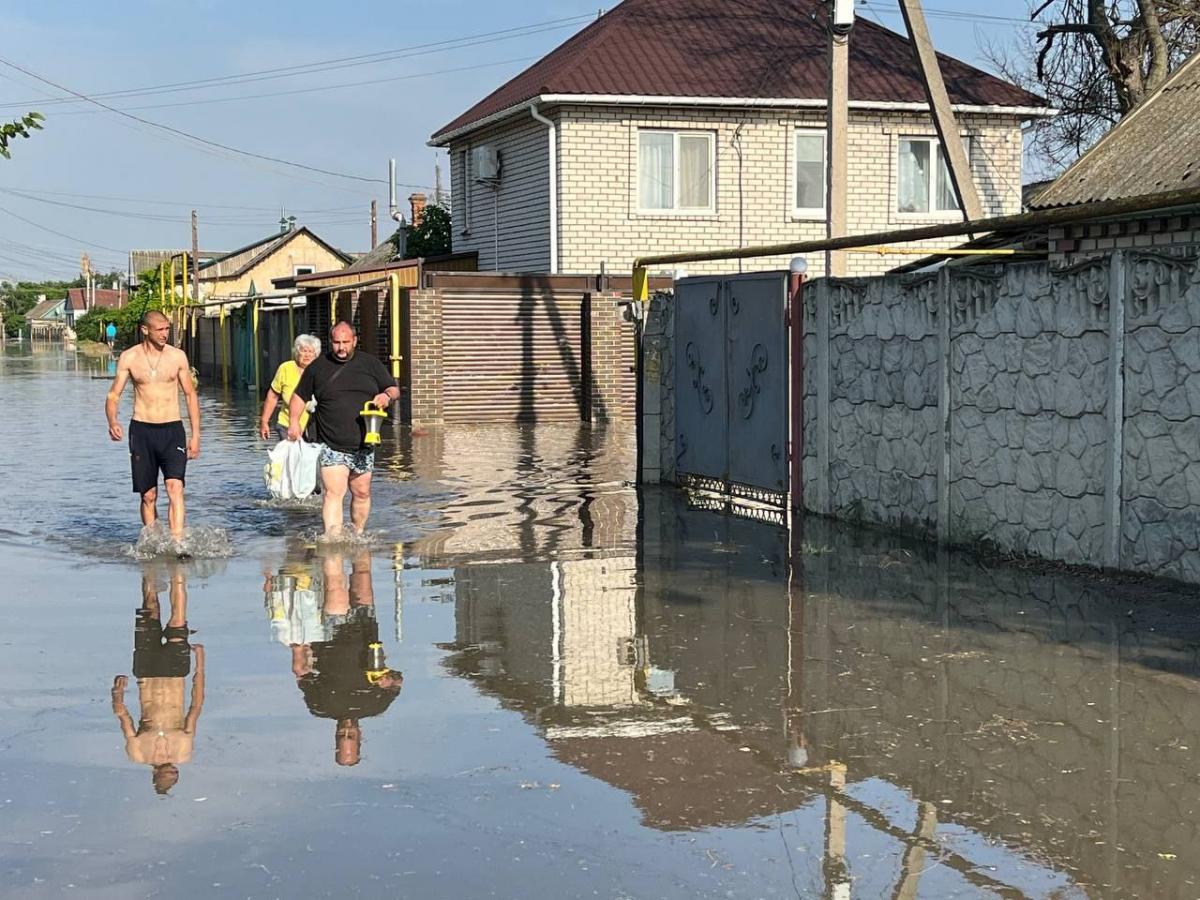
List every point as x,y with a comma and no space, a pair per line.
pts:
164,734
337,656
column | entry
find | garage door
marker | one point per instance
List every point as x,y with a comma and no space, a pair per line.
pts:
510,357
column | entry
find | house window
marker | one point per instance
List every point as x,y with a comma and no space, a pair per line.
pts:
303,270
675,171
923,183
810,174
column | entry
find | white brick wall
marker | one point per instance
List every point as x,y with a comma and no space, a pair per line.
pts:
598,205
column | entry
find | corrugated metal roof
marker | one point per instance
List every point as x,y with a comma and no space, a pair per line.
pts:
1155,148
748,49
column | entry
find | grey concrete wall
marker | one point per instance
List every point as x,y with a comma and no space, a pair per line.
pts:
1053,411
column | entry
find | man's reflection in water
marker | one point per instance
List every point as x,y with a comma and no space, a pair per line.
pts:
342,673
164,734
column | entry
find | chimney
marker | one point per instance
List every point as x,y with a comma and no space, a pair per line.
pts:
418,209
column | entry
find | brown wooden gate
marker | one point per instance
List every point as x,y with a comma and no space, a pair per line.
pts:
513,356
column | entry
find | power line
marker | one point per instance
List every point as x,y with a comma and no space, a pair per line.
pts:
330,64
951,14
188,135
69,237
310,90
180,203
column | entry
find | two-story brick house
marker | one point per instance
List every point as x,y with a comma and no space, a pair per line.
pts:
673,125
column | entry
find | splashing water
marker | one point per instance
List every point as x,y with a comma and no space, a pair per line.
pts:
201,542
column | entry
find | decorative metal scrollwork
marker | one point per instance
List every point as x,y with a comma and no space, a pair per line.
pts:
714,304
734,306
682,451
775,452
703,392
748,394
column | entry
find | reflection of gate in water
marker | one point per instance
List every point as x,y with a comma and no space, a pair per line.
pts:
731,385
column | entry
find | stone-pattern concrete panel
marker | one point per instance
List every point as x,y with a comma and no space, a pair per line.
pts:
1028,391
1160,493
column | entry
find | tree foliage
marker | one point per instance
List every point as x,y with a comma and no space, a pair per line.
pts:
18,298
1095,60
90,326
431,237
19,128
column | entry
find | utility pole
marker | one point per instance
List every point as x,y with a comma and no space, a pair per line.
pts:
841,20
437,184
374,226
943,115
185,320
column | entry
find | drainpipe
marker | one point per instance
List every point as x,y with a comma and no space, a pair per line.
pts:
552,135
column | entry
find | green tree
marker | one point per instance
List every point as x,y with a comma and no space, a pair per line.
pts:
18,128
431,237
88,327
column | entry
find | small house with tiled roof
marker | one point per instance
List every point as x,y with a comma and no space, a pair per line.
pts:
686,125
252,269
78,302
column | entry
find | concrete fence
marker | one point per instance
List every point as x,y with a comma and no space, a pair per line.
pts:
1049,411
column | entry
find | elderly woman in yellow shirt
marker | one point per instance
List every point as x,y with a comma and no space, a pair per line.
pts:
287,376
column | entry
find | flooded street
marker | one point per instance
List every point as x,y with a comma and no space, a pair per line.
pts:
604,693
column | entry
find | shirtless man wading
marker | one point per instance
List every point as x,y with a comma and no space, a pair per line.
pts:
157,441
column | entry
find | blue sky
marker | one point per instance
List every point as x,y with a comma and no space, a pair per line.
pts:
140,183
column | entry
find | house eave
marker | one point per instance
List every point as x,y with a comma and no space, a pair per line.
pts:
443,139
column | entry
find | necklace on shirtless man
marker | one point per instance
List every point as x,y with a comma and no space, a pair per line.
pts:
153,368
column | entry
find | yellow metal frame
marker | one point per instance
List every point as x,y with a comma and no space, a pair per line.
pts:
394,284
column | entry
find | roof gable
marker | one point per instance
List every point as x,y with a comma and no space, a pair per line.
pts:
1154,149
760,49
45,309
241,261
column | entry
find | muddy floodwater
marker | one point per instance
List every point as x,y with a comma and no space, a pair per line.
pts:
535,681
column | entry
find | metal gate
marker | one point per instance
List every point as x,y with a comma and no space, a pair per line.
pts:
731,385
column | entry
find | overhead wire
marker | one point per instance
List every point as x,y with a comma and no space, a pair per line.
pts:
189,136
411,51
309,90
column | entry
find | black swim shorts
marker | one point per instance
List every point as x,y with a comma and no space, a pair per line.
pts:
155,447
159,652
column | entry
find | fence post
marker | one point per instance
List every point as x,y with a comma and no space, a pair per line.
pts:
1116,409
824,478
944,530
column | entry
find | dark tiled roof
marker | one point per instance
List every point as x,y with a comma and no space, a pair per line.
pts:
718,48
1155,148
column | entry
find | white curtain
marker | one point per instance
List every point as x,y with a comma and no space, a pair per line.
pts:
656,170
913,176
810,171
695,171
947,199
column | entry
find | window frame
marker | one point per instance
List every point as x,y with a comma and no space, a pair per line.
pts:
815,213
309,270
711,137
938,156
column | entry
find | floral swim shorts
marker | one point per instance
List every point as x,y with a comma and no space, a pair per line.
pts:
359,462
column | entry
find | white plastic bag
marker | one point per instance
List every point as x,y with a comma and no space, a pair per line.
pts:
291,470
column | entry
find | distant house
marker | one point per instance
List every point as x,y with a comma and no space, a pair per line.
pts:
141,260
77,303
47,319
685,125
253,268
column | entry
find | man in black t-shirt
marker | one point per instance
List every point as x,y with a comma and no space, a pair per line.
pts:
343,381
